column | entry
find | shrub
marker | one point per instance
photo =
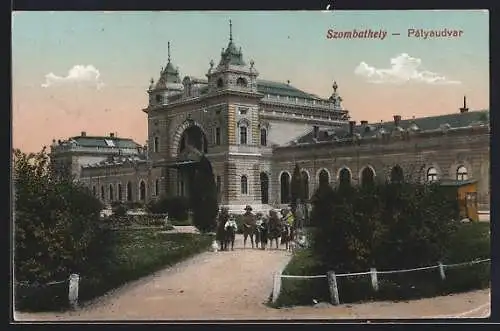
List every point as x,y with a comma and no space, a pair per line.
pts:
390,227
58,230
119,209
176,207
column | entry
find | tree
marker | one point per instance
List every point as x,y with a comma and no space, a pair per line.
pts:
204,200
297,189
322,205
57,223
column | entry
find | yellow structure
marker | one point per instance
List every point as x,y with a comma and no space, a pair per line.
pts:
466,197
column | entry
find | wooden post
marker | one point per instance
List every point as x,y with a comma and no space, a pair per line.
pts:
334,291
373,274
441,271
276,286
74,279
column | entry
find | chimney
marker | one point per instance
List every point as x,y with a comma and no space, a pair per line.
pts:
112,135
351,127
315,131
364,122
83,134
464,109
397,120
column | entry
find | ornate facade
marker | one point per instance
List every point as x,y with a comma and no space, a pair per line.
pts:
254,131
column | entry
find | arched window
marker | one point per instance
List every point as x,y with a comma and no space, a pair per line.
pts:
218,183
397,175
285,187
111,193
103,195
367,176
344,177
243,134
432,174
323,177
120,195
156,145
462,173
142,191
241,82
129,191
264,188
244,184
220,82
157,187
263,137
94,191
304,177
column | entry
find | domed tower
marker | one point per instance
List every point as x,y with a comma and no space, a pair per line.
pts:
167,85
232,73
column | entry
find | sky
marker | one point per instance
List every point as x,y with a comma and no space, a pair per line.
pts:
89,71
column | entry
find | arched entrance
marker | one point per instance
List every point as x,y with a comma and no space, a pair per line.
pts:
323,178
344,177
367,177
193,137
192,145
264,188
304,177
285,187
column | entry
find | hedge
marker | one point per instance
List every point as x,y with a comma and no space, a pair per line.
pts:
470,242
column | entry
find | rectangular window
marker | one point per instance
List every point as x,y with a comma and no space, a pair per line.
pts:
243,135
217,136
263,137
156,145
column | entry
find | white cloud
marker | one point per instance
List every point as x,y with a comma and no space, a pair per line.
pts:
79,74
404,68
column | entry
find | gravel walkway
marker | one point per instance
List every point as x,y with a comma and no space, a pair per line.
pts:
236,285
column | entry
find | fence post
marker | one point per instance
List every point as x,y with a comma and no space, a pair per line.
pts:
276,286
441,271
373,274
74,279
334,291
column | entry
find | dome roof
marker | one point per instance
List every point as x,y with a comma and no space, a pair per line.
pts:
231,55
169,76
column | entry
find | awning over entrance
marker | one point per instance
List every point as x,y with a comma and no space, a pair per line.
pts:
190,156
180,164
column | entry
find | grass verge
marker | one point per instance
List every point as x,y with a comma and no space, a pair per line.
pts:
138,253
471,242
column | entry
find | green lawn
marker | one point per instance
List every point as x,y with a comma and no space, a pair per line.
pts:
139,252
470,242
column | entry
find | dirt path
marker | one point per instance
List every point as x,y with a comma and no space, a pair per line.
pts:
235,285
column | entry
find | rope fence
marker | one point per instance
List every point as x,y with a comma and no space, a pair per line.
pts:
332,277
